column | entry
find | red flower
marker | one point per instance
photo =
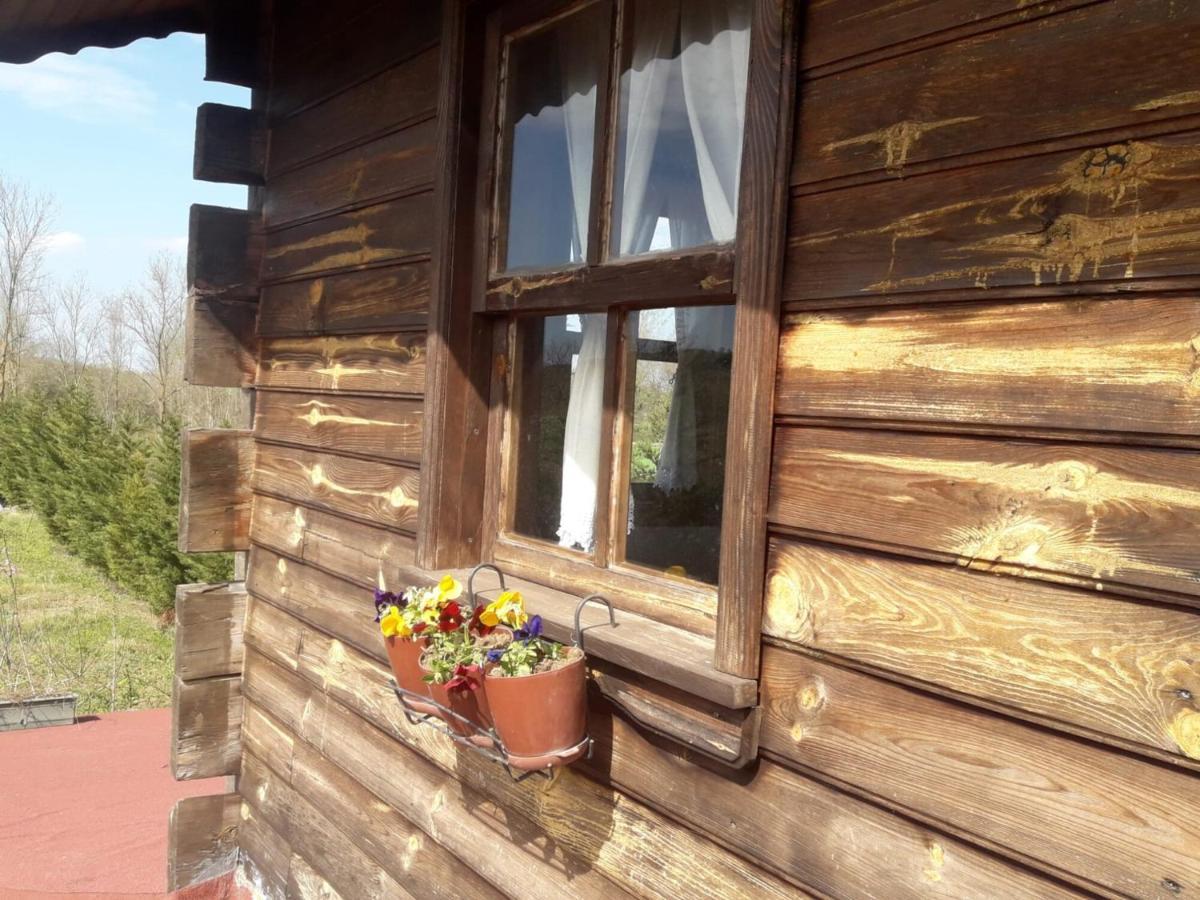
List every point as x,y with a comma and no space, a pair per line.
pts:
450,618
419,627
466,678
477,626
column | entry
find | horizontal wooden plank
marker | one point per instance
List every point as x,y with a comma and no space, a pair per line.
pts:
1089,660
401,94
382,427
305,883
530,866
1105,515
641,850
206,726
220,342
231,144
373,491
840,30
224,253
202,839
1105,218
371,300
834,843
1116,364
354,551
394,230
319,53
387,363
214,491
208,630
311,787
395,163
316,838
1104,819
927,105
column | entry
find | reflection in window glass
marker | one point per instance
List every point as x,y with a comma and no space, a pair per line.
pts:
551,89
677,457
560,409
682,109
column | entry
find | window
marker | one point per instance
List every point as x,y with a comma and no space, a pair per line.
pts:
614,205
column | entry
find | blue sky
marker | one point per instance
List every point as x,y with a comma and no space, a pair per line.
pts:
109,133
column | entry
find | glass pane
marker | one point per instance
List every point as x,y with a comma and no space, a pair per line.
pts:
677,458
682,108
560,409
551,87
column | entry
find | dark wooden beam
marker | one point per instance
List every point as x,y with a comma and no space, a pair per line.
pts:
214,493
234,48
208,630
202,839
221,342
758,282
224,253
231,144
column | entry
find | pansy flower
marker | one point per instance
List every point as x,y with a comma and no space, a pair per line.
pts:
494,655
532,629
477,626
449,588
466,678
383,601
507,609
392,624
451,617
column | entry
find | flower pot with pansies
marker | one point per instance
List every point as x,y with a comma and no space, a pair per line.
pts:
536,692
453,669
405,620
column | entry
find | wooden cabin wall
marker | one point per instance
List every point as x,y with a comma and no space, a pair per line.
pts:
985,500
982,643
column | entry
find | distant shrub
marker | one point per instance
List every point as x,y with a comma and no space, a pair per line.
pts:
108,491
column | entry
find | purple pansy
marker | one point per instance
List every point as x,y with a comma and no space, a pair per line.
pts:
532,629
493,656
386,599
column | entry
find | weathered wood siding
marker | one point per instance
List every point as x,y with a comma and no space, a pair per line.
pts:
983,645
985,498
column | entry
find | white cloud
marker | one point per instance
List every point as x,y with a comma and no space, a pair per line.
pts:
63,241
79,89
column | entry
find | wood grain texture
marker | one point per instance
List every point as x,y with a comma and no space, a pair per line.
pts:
265,856
231,144
202,839
383,428
320,51
392,230
208,630
762,224
1100,818
305,883
356,552
206,725
459,819
1104,515
214,490
399,162
641,850
1116,365
1089,660
220,344
402,94
376,299
376,492
384,363
927,105
224,253
311,785
1104,218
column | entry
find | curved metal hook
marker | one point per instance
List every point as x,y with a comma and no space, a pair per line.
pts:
471,581
577,634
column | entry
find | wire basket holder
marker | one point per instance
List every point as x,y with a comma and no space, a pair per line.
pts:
484,740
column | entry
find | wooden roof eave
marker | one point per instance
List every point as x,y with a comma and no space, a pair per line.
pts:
29,29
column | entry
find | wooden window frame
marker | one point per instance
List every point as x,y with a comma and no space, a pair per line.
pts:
468,373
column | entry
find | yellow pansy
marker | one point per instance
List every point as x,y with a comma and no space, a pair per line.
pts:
393,625
449,588
507,609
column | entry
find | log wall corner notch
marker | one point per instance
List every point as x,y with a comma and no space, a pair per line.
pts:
202,839
214,490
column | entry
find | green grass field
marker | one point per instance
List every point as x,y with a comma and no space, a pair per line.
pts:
64,628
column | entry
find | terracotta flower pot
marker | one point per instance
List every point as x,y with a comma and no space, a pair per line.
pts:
405,657
540,717
471,705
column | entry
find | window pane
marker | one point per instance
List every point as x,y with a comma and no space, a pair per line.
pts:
551,88
559,414
677,458
682,109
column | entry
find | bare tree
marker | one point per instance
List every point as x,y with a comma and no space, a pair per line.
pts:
116,353
72,330
155,314
25,219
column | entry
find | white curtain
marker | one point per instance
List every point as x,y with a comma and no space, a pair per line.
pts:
581,440
579,121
